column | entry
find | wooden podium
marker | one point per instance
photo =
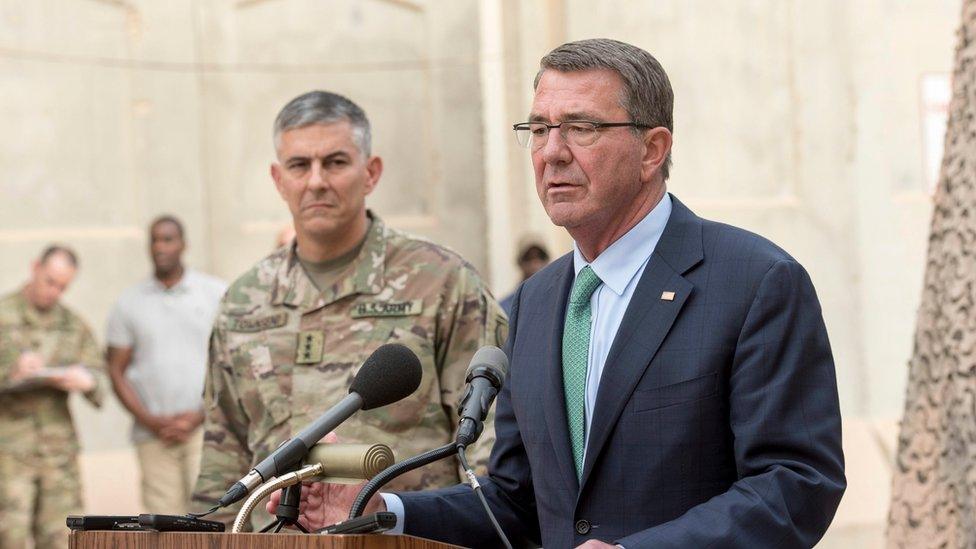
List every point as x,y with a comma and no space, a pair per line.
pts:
185,540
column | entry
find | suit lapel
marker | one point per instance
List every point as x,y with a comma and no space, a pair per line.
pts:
645,324
554,404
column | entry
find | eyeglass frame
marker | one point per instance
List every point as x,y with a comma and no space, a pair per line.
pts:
596,126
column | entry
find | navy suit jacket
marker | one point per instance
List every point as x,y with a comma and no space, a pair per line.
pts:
716,422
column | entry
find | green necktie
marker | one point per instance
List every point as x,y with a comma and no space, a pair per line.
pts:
576,347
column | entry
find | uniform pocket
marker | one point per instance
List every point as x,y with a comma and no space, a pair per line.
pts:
264,378
424,403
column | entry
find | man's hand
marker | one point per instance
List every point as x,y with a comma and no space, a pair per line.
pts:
177,429
28,364
326,504
172,433
188,421
166,429
74,378
596,544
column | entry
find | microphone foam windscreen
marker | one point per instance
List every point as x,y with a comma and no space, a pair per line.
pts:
390,374
490,357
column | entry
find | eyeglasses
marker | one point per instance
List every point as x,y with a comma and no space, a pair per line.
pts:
581,133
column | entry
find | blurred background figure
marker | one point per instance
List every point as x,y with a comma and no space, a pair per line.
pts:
933,500
285,236
46,352
531,256
157,355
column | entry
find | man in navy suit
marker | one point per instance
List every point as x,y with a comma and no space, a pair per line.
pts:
671,381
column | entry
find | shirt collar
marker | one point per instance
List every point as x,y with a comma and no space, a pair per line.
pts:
619,263
181,286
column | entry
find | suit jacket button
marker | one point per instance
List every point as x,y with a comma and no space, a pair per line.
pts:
582,527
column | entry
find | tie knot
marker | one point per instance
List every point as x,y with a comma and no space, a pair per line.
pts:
586,283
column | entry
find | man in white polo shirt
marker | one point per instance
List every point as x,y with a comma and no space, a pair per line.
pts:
157,354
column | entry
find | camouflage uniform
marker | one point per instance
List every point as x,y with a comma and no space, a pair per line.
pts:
282,353
39,478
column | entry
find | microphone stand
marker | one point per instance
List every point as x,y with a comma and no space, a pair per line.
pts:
287,513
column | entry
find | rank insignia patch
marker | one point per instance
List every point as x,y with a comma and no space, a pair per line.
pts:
310,345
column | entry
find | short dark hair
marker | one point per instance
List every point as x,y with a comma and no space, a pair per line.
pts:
58,249
167,218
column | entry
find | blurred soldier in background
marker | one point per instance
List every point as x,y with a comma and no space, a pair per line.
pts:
46,352
157,357
292,331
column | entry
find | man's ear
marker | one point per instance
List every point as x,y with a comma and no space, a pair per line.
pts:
657,146
276,175
374,169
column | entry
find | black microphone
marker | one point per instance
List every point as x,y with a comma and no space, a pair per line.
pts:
485,376
390,374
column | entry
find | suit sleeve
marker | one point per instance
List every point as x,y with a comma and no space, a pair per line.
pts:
454,515
226,457
785,417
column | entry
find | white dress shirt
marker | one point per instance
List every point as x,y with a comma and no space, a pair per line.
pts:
620,268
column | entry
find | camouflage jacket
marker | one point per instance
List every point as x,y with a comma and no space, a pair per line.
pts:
282,353
36,419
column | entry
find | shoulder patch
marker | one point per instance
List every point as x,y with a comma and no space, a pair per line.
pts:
387,308
257,324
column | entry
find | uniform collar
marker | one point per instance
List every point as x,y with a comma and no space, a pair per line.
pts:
32,316
365,275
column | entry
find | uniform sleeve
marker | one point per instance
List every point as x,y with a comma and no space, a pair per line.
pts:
470,320
8,357
91,357
226,457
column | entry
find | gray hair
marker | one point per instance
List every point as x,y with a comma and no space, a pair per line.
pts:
322,107
647,96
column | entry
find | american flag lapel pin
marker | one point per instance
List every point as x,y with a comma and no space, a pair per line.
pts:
667,296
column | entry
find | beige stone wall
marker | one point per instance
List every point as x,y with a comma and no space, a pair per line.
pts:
798,120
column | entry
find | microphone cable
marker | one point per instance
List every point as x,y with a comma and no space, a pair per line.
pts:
205,513
476,486
388,474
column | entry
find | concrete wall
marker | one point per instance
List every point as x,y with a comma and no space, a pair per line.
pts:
798,120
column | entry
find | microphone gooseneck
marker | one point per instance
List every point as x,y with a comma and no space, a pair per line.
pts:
486,373
390,473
